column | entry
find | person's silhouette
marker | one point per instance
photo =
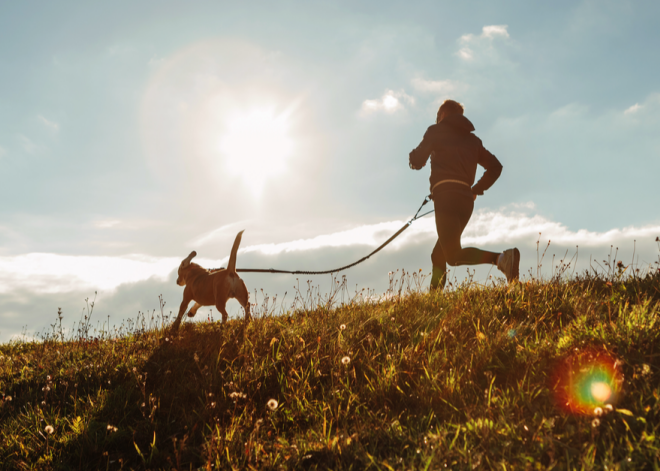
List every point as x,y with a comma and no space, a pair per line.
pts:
455,153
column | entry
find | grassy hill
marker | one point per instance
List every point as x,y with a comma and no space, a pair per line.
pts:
539,375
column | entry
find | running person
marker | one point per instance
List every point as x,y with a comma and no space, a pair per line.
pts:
455,153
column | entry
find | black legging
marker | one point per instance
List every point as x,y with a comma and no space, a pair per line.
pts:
454,204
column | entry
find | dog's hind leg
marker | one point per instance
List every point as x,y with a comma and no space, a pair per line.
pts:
193,311
221,309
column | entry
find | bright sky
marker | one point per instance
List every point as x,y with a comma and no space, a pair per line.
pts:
134,132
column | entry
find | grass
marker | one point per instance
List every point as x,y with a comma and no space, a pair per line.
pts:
475,377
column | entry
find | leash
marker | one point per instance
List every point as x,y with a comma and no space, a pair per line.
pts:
335,270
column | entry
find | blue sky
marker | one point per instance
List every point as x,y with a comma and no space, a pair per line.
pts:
134,132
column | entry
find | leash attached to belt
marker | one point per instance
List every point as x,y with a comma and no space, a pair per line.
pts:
335,270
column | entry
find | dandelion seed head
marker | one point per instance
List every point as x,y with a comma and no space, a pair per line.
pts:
272,404
608,407
595,423
342,327
598,411
8,398
345,360
49,429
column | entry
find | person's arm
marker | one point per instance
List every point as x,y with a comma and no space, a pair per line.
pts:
493,170
418,157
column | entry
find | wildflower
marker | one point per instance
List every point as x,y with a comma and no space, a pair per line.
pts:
213,405
8,398
608,408
345,361
272,404
595,423
49,429
167,339
112,428
196,357
48,377
646,369
598,411
134,369
342,327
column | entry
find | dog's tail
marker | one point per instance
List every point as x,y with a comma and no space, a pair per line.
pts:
231,266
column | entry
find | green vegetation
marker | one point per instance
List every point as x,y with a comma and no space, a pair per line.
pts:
465,379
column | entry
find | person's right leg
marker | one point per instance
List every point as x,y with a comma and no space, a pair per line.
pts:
452,213
439,275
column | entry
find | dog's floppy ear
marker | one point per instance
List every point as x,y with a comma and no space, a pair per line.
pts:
187,260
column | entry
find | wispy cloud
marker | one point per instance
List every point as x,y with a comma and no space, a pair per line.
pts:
391,102
27,144
470,43
52,125
107,223
440,87
216,234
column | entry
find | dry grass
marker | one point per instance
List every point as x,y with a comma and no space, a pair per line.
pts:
461,379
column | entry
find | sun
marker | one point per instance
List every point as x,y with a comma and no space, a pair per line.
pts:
256,146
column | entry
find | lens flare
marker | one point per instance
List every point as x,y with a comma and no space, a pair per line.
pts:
586,380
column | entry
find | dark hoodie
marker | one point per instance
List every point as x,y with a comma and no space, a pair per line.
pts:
455,153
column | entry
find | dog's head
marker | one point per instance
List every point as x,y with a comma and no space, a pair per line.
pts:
185,264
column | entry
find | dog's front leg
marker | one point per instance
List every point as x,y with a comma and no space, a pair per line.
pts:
182,309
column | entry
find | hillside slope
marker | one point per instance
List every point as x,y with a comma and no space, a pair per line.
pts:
537,375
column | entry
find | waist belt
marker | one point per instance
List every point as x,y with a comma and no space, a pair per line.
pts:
449,181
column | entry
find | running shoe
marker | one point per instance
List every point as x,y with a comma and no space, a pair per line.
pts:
509,264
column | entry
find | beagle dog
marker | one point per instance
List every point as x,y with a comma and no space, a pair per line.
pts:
211,288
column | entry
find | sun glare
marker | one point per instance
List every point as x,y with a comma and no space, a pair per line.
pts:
256,146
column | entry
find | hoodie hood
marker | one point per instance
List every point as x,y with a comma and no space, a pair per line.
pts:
458,121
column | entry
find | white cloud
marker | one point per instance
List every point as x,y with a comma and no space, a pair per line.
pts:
53,126
471,44
515,225
493,31
633,109
53,273
390,103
